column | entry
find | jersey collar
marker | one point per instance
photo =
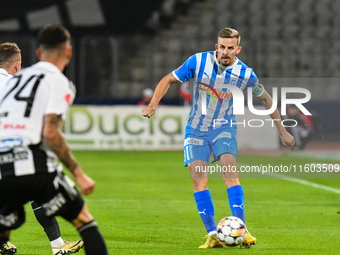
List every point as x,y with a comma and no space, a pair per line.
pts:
48,65
3,72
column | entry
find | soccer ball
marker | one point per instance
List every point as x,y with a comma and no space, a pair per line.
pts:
231,231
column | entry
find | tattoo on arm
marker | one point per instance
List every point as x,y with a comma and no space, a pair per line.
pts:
55,139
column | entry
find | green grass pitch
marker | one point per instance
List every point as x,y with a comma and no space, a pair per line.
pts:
144,204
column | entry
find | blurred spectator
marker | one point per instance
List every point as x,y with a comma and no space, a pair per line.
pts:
304,129
147,95
184,91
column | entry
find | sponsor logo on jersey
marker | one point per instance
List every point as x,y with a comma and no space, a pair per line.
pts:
7,144
11,157
54,204
222,135
8,220
212,91
193,141
13,126
227,144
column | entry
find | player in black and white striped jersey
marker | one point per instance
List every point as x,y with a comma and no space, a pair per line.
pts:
33,106
10,63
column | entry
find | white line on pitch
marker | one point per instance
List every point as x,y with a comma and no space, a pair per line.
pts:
304,182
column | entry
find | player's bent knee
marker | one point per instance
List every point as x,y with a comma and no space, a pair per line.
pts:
84,217
230,182
200,184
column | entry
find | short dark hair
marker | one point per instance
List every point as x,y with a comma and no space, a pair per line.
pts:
53,36
8,52
228,32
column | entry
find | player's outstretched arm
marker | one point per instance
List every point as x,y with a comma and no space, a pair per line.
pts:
55,139
286,138
160,91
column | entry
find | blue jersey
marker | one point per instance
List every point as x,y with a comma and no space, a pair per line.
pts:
209,90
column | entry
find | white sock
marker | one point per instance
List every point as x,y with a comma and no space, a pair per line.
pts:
213,233
57,243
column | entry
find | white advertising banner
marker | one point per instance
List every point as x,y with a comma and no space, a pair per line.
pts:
124,128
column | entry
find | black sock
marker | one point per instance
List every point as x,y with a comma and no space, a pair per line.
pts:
50,224
93,240
3,240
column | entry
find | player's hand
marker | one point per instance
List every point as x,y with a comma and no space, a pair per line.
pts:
287,140
148,111
85,183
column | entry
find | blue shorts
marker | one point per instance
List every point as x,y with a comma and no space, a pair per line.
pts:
198,145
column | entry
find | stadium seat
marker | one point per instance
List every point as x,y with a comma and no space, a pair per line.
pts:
168,7
206,23
273,6
273,31
121,90
273,17
240,21
279,38
223,20
135,90
138,74
256,7
323,31
291,31
306,33
274,47
305,6
240,7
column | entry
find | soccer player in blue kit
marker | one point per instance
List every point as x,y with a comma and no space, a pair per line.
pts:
205,134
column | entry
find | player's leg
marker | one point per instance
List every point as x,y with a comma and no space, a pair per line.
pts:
52,230
196,157
64,200
49,224
12,214
224,147
4,237
235,192
5,246
204,202
234,189
88,229
202,195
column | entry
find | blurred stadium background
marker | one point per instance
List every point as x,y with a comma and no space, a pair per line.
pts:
123,47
